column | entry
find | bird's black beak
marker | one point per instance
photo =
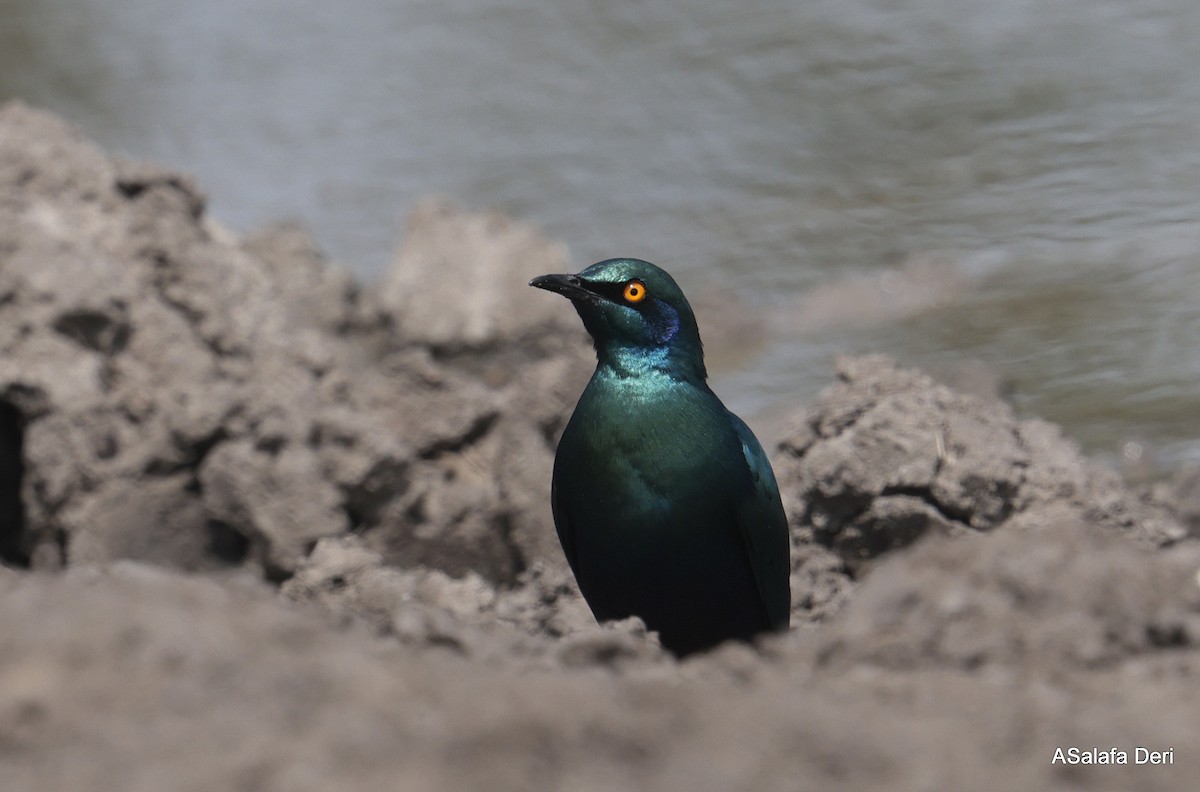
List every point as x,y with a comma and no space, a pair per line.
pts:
570,286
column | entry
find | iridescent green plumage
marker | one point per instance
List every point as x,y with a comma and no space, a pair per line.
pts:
665,503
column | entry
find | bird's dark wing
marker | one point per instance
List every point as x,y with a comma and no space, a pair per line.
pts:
764,531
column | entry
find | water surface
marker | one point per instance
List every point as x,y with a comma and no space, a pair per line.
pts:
1043,155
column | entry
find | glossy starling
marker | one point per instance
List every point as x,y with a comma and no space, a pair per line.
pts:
665,504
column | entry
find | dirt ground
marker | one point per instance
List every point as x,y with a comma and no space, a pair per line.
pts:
263,527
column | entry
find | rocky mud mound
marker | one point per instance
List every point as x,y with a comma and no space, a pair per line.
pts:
263,528
174,394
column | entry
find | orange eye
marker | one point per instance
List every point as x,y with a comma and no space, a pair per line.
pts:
635,291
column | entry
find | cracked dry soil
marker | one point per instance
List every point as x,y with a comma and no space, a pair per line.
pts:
263,527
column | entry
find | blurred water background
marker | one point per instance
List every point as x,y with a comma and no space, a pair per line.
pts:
1009,182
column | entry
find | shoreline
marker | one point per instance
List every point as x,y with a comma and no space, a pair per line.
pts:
269,527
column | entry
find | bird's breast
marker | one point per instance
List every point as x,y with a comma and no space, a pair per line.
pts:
647,453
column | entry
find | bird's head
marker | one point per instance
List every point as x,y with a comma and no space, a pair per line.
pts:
636,314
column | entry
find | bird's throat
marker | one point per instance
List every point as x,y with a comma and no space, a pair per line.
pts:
630,362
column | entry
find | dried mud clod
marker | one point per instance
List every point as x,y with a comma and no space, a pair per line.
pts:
263,527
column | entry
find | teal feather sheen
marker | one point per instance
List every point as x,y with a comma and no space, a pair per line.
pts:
664,502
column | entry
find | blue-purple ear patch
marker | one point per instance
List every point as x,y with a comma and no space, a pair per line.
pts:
664,321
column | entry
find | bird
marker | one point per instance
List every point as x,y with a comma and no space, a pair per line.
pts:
664,501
